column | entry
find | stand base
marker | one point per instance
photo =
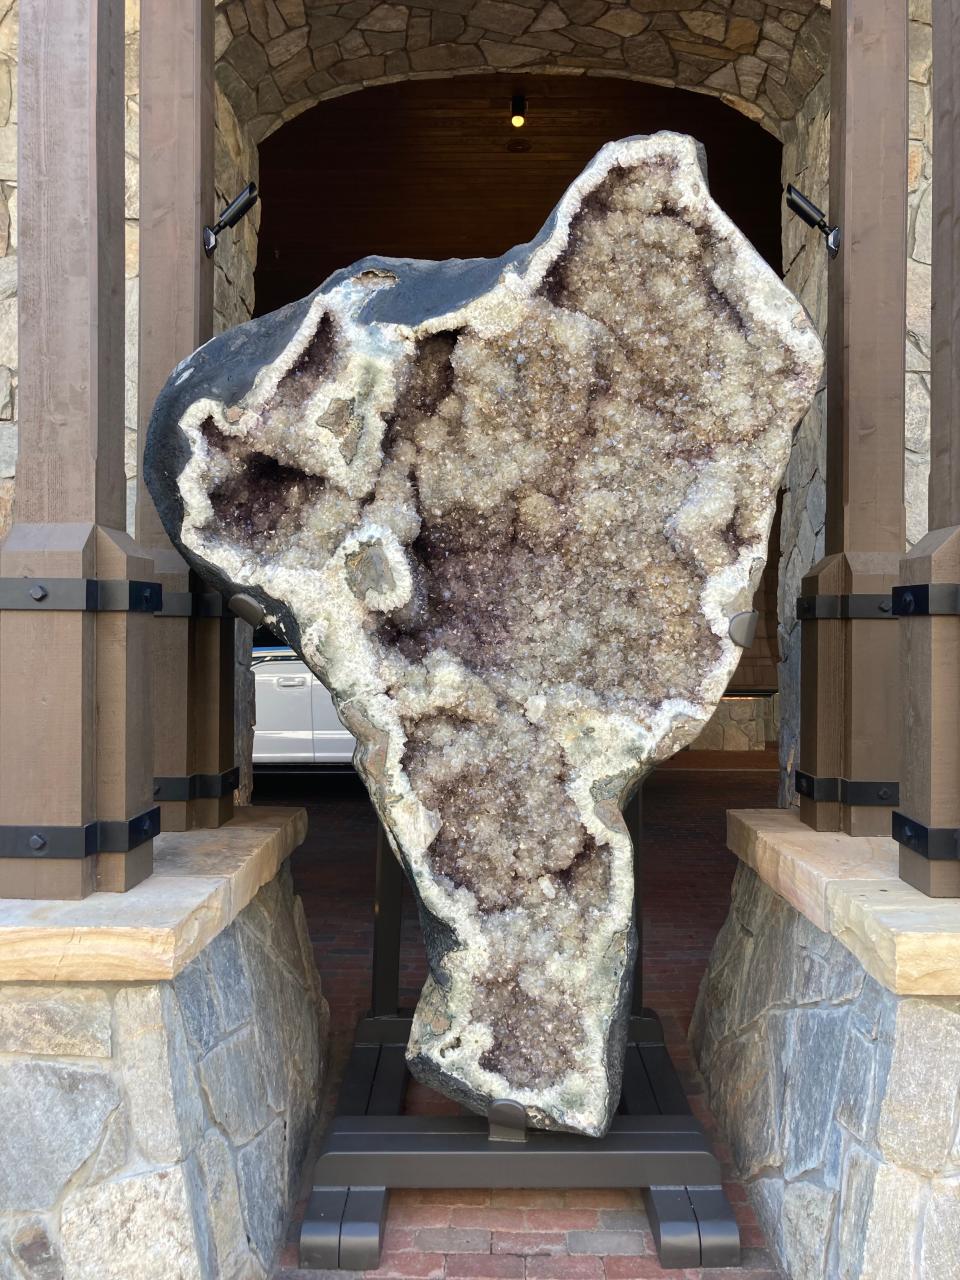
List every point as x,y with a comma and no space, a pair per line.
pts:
654,1143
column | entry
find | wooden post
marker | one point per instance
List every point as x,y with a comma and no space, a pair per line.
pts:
927,824
850,710
194,663
76,806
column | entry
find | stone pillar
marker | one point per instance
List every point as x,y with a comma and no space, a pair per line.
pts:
193,668
927,825
76,742
849,728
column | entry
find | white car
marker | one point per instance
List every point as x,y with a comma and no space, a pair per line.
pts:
296,723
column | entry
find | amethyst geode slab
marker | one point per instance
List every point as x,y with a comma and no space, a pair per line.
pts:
505,509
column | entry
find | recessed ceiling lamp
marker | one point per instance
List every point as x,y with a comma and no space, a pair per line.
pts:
518,110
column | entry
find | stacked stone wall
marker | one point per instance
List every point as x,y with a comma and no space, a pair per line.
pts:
279,57
740,724
158,1131
839,1099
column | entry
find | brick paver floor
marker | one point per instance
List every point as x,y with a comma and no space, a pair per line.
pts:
531,1235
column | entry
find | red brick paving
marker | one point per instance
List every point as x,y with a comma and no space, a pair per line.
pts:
527,1234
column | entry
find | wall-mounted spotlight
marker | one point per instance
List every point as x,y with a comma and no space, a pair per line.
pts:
798,203
235,210
518,110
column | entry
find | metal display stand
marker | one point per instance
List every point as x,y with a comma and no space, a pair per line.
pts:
654,1142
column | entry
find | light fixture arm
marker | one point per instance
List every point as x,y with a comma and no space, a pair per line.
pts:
235,210
804,208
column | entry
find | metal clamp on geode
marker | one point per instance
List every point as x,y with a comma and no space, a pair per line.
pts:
191,604
927,600
743,628
845,790
246,608
862,605
507,1121
42,841
936,844
87,595
196,786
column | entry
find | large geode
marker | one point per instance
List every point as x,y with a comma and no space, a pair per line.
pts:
505,510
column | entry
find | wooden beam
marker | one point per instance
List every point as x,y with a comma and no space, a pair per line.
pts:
849,673
944,506
75,731
930,794
176,201
193,670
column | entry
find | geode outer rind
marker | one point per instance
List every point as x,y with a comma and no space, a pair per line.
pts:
505,510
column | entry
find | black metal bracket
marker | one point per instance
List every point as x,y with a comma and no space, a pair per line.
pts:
87,595
196,786
846,790
936,844
191,604
844,606
80,842
927,599
235,210
654,1143
814,217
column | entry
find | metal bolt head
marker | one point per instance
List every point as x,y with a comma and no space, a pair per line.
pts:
38,592
907,834
883,793
37,842
885,606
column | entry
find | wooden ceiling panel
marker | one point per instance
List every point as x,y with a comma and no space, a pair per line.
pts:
431,169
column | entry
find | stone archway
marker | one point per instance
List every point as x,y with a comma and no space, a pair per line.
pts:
276,58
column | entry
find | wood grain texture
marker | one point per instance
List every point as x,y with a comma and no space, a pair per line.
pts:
75,721
192,672
71,158
850,670
930,660
821,695
866,327
176,201
930,647
945,302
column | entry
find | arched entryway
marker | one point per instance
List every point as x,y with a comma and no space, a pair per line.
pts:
434,169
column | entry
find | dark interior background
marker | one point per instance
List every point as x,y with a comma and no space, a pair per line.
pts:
434,169
431,169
